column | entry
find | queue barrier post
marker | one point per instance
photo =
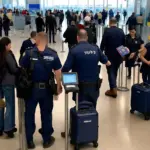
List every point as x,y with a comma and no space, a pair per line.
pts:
22,135
62,51
121,86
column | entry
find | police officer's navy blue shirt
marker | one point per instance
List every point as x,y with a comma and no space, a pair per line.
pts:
26,45
40,74
83,59
113,37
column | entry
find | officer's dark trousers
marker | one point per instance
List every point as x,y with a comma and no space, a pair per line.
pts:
51,35
112,74
45,100
0,31
89,94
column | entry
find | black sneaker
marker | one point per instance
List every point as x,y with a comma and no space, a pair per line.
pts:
129,77
15,130
1,132
49,143
40,131
10,134
54,42
31,145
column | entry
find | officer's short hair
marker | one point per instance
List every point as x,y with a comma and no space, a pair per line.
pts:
113,20
33,34
82,34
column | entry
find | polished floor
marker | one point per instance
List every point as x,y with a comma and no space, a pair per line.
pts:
118,129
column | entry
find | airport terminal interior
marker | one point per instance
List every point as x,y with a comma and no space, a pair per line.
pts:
118,128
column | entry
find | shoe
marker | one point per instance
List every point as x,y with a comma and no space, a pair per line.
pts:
1,132
2,103
111,93
129,77
54,42
14,130
63,135
10,134
40,131
49,143
31,145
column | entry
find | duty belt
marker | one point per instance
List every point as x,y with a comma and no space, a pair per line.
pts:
87,84
41,85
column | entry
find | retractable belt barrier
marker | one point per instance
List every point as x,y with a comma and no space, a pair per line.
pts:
22,135
63,47
121,86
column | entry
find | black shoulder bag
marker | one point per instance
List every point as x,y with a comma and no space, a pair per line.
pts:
24,81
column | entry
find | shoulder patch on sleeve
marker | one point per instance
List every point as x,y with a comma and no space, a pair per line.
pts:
73,46
95,45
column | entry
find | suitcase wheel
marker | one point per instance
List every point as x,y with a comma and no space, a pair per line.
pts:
146,117
132,111
76,147
95,144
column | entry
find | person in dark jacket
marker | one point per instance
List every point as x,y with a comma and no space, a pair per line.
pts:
90,32
145,68
134,43
29,43
104,16
113,38
124,14
51,24
1,26
6,25
9,70
117,18
132,22
70,35
39,23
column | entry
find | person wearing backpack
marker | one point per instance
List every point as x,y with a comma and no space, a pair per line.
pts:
9,69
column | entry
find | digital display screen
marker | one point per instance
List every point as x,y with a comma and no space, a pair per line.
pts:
69,78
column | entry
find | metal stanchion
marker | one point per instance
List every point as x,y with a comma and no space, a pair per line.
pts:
66,122
22,135
121,87
62,47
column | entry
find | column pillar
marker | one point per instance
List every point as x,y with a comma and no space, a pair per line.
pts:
94,6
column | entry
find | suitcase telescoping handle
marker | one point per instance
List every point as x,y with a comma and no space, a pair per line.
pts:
138,77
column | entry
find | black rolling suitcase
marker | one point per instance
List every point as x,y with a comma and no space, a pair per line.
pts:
84,125
140,97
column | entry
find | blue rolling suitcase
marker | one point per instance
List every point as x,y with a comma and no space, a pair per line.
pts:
140,98
84,125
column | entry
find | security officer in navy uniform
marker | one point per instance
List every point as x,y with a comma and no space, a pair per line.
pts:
45,61
28,44
113,37
83,59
